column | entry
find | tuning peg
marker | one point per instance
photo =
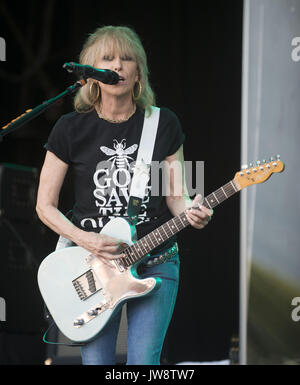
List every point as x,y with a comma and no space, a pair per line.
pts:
264,160
278,157
258,162
271,159
244,166
250,165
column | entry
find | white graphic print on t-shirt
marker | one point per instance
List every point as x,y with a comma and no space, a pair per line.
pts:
112,180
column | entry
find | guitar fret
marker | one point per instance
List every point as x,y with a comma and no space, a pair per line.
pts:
233,186
157,233
224,192
216,197
165,232
206,203
170,227
164,235
179,216
180,222
228,186
230,189
184,219
176,224
147,243
133,256
220,196
141,246
136,248
211,200
127,260
154,240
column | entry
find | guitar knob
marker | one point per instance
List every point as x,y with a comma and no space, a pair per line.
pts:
79,322
93,312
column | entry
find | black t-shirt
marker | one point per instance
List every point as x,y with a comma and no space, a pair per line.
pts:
88,144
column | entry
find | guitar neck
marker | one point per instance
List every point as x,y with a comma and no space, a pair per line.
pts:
158,236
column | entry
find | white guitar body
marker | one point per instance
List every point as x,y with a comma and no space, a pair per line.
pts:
82,293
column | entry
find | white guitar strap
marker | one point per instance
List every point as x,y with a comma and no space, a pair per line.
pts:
141,173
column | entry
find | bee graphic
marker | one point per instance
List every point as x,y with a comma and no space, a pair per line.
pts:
120,153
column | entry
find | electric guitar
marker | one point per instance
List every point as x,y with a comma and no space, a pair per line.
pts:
82,293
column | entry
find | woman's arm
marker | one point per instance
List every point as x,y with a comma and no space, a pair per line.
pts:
51,179
177,198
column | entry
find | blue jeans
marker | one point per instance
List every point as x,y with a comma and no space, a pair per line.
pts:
148,320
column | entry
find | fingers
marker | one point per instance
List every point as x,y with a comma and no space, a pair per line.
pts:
195,219
108,258
200,217
207,211
198,200
107,255
103,246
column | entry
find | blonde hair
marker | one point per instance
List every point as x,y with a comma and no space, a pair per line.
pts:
125,41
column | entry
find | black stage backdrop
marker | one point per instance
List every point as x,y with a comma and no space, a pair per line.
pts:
194,56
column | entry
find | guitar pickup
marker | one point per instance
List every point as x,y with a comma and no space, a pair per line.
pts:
86,285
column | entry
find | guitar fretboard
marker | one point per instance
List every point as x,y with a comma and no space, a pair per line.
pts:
158,236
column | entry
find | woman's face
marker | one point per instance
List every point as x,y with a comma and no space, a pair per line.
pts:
126,68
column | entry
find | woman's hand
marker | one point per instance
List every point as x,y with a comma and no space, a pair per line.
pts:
200,216
102,246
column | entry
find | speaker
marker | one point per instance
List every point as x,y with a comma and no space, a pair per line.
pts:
24,242
18,188
22,250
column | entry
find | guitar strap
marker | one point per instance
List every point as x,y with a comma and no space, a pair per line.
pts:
142,166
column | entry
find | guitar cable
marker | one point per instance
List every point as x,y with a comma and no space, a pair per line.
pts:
71,344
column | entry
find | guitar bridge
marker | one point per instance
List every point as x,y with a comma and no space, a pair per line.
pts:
86,285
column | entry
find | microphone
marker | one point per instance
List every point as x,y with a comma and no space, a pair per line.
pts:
86,71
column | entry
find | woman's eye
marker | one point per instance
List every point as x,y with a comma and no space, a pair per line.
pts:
106,57
126,58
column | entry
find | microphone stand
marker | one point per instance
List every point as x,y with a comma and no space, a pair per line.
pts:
33,113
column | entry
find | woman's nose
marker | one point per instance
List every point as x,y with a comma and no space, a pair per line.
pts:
117,64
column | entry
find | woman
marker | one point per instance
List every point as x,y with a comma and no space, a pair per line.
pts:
107,116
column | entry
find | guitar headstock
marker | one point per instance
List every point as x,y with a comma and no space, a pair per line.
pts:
259,172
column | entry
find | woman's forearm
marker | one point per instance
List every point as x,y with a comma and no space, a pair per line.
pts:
56,221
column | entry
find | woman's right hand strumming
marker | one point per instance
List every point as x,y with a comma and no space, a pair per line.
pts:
102,246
